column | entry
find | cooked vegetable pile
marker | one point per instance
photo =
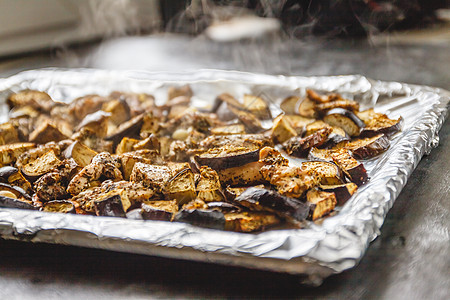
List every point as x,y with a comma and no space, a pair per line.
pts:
124,156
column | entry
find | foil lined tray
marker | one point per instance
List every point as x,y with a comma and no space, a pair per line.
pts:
334,245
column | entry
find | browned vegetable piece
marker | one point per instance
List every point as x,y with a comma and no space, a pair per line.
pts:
126,145
366,147
208,186
322,203
307,108
299,147
174,92
377,123
354,170
15,192
343,192
118,109
329,173
271,201
89,138
224,207
13,176
290,181
227,157
81,107
8,134
345,119
299,123
282,129
7,200
209,218
290,105
36,99
249,120
80,153
229,100
42,165
131,129
239,140
181,187
153,176
346,104
250,221
112,204
159,210
314,96
245,175
257,106
228,129
59,206
337,136
150,143
46,132
315,126
97,122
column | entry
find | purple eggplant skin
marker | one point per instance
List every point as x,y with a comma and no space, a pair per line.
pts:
14,203
18,191
150,213
266,200
134,214
130,128
348,114
387,131
223,206
227,162
7,171
110,207
207,218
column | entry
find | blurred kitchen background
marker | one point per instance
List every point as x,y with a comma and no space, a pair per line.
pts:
400,40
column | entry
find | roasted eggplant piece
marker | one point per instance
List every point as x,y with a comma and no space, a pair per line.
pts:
228,130
152,176
307,108
181,187
8,202
322,203
329,173
209,218
250,121
16,192
336,136
289,105
59,206
46,132
245,175
8,134
353,169
224,207
240,140
36,99
159,210
315,126
367,147
282,129
10,153
299,123
299,147
314,96
346,104
131,129
345,119
290,181
227,157
247,221
80,153
343,192
208,186
42,165
257,106
97,122
174,92
270,201
118,109
378,123
112,204
14,177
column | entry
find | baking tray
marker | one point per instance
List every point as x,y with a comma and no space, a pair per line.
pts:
334,245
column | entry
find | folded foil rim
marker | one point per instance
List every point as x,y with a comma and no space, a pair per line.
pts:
317,251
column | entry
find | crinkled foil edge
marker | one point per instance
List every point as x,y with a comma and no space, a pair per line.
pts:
319,251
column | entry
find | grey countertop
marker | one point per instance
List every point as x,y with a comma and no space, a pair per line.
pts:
409,260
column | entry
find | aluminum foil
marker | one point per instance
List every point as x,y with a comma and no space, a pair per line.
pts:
334,245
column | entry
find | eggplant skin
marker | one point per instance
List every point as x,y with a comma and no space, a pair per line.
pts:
227,162
213,219
151,213
299,147
367,147
265,200
14,203
110,207
343,192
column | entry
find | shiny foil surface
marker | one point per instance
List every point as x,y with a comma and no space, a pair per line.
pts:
316,251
